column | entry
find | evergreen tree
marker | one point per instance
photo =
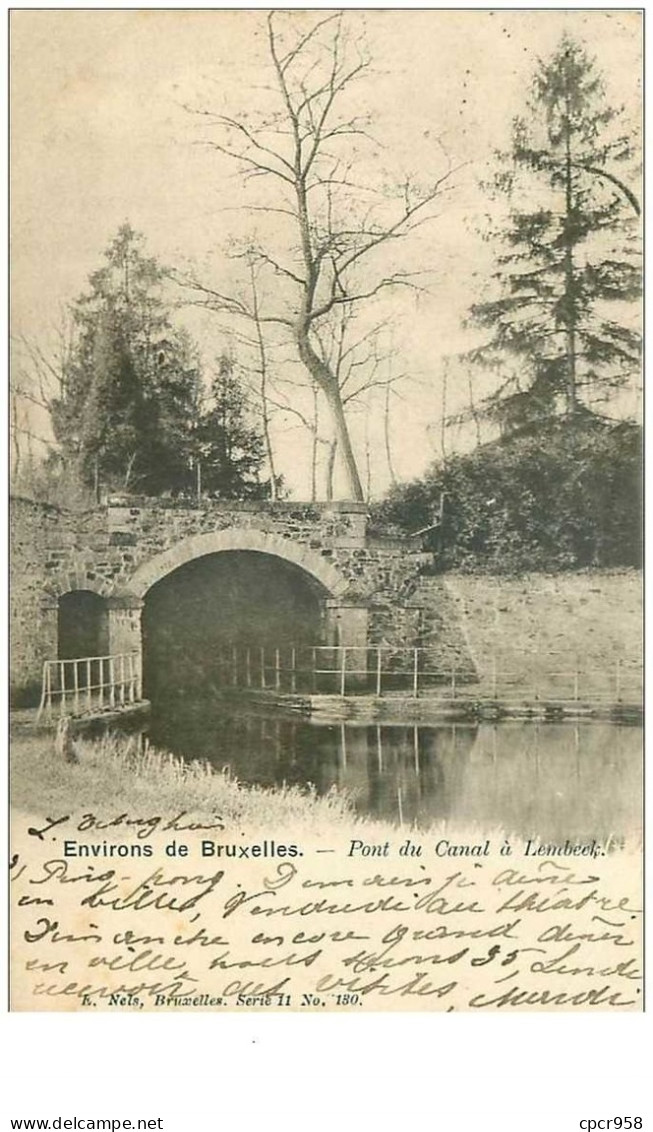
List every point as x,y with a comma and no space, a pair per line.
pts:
562,333
128,407
229,448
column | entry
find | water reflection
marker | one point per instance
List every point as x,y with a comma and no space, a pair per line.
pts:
550,780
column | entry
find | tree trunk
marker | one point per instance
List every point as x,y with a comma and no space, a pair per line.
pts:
314,447
268,446
128,471
330,467
443,413
368,462
344,443
263,389
327,382
472,409
15,434
386,431
570,312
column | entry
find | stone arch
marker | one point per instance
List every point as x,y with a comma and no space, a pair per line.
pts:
72,580
213,542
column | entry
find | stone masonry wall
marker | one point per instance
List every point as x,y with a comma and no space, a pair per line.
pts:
335,532
51,551
542,623
443,629
32,527
430,621
101,549
536,622
111,548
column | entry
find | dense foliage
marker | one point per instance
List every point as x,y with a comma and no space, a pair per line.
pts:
133,414
129,396
230,449
561,319
564,498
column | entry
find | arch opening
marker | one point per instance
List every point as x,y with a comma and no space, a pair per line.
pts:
82,625
189,549
196,615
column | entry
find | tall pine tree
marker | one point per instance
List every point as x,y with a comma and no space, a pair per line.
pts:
129,405
230,448
563,329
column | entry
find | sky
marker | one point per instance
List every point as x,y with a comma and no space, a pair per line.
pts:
103,132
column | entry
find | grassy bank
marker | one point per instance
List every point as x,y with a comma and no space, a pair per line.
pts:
112,774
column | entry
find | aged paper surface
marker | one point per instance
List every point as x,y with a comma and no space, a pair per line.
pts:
320,927
207,856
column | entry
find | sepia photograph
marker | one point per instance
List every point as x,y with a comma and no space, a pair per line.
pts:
325,444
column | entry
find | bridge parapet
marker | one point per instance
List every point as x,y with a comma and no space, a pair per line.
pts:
337,524
327,539
122,548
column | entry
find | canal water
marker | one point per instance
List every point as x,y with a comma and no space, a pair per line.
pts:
547,780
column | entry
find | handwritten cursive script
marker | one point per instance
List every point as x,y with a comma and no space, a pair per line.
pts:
324,927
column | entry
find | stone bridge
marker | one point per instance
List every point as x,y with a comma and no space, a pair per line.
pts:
114,555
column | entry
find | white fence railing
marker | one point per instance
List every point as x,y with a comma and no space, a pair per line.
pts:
87,684
383,670
90,683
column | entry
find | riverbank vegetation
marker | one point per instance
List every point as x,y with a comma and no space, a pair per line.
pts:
115,779
114,774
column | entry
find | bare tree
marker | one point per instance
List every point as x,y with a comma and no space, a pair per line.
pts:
286,404
357,358
263,369
386,436
472,408
360,364
443,411
438,430
331,228
37,378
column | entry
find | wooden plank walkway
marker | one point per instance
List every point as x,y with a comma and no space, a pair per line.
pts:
400,708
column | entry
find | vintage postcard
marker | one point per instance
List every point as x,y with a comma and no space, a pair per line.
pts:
325,407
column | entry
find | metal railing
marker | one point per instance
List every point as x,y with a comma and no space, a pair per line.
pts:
90,683
385,670
87,684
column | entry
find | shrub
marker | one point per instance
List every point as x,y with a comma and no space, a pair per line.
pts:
566,497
